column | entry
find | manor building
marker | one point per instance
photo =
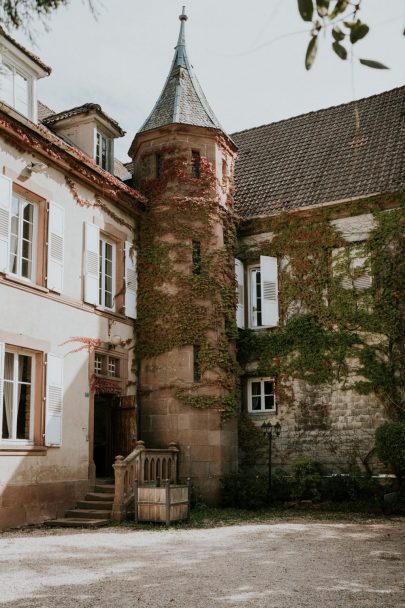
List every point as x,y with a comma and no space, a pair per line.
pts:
117,284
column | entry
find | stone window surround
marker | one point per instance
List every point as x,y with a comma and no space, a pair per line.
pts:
36,445
262,380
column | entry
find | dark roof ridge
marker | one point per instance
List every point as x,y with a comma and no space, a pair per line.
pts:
85,107
339,105
22,48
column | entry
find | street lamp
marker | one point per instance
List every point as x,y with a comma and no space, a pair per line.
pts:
270,431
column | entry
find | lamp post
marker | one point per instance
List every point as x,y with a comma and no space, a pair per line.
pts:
270,431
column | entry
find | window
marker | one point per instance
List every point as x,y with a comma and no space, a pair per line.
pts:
158,165
262,291
351,265
195,164
17,418
197,363
261,397
14,89
255,297
106,273
196,253
22,238
105,365
103,146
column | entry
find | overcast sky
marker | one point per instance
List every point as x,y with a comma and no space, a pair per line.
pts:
248,57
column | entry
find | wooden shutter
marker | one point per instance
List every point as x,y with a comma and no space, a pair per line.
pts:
5,219
269,288
56,228
240,293
91,263
362,278
54,401
130,280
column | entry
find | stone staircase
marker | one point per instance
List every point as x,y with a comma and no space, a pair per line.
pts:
93,511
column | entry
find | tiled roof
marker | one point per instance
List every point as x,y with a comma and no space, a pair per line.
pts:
44,111
22,48
343,152
86,108
182,99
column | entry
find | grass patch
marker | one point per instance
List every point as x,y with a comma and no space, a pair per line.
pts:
207,517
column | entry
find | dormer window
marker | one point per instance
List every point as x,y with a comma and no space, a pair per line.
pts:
14,88
103,148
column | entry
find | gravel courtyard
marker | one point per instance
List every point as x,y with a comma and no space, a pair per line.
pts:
272,565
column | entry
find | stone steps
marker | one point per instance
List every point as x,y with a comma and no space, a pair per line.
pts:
77,522
93,511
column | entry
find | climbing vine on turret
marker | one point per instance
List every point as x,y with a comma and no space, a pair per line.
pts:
181,304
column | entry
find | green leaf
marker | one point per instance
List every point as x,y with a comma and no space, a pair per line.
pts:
311,52
337,34
370,63
340,7
358,31
306,9
349,24
322,7
339,50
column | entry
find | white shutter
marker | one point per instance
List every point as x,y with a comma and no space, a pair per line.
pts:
54,400
56,227
91,263
240,293
130,280
5,219
2,351
269,285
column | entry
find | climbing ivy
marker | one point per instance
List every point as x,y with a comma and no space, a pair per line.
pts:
333,331
180,307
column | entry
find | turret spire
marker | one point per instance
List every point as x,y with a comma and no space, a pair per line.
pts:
182,100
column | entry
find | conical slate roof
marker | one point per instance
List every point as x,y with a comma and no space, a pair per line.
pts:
182,99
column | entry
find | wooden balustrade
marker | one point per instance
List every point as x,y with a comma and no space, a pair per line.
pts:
144,466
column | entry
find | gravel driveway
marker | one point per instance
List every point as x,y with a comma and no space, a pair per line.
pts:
275,565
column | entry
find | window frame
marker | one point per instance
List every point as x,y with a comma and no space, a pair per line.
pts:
196,164
10,63
262,380
98,151
250,269
103,241
34,243
14,441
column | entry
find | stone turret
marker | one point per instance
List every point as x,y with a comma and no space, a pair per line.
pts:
183,161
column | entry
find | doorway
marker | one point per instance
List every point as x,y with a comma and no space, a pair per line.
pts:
103,453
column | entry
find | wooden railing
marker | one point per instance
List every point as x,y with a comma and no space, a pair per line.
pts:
144,466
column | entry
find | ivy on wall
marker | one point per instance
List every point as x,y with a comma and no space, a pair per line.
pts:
332,331
179,305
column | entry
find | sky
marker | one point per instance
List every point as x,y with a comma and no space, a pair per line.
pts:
247,55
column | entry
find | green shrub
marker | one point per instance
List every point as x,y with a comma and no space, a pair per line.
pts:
246,489
306,479
390,446
350,487
280,486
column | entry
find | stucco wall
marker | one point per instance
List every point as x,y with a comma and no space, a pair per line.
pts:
38,485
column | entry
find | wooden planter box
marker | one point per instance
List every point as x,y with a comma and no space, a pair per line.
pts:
163,504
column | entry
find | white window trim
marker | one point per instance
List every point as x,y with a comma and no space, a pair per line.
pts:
249,395
251,313
15,65
18,274
19,442
113,244
109,149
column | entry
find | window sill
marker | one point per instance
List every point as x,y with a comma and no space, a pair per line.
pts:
262,413
12,279
22,450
